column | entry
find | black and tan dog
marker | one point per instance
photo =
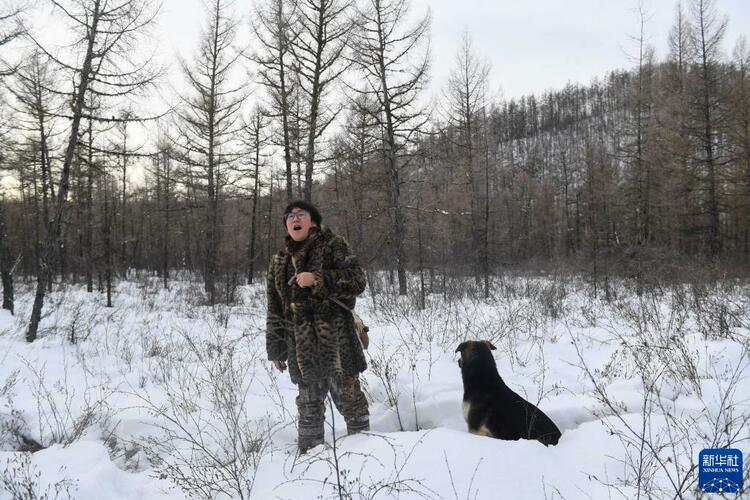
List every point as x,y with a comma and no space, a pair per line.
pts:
491,408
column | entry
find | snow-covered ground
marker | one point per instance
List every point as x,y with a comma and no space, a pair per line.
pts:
161,397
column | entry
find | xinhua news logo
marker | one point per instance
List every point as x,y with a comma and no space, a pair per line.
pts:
720,470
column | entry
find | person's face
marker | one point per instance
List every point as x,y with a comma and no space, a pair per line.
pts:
298,224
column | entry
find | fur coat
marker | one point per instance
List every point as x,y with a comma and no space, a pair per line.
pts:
315,336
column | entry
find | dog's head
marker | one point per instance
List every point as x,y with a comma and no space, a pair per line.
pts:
475,352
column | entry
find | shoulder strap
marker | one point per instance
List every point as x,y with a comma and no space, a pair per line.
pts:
359,325
337,301
351,311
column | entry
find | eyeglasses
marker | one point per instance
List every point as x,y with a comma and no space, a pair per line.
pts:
300,214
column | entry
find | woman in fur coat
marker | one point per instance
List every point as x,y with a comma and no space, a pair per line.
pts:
312,283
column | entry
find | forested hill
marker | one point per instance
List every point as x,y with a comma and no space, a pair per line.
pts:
651,164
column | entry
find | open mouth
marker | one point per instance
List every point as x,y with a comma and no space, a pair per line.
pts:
297,227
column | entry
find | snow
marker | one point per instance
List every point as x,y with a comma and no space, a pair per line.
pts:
157,391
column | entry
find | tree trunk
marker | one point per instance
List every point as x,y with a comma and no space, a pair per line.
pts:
486,231
54,224
5,263
314,104
165,230
107,242
420,260
124,206
90,215
395,188
211,238
269,238
285,125
254,212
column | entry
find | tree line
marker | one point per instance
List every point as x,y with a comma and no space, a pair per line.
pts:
643,171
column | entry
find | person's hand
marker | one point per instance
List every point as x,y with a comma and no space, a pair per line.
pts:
280,365
305,279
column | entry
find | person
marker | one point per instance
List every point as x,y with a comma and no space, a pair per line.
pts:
309,330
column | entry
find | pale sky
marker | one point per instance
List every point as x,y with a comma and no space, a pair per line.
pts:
531,45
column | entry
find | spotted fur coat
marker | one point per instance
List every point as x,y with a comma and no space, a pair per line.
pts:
314,335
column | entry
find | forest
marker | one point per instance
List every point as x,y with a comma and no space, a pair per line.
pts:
597,236
645,168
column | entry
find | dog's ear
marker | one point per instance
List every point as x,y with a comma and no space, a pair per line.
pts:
489,345
461,346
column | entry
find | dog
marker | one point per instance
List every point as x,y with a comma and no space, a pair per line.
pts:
493,409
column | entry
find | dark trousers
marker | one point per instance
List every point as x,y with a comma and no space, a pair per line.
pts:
348,398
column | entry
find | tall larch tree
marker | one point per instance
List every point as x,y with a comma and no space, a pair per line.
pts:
101,61
208,124
393,60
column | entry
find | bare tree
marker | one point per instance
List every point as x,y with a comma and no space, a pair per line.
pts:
255,140
740,129
634,151
274,33
36,106
465,100
106,186
106,35
394,61
682,178
357,143
162,172
10,29
708,32
85,159
6,264
679,41
321,35
115,158
208,124
124,154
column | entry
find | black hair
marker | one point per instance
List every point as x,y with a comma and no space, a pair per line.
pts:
303,205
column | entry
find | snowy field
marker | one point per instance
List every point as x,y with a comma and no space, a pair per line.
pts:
162,397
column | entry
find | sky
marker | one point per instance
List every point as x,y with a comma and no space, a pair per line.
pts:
531,46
